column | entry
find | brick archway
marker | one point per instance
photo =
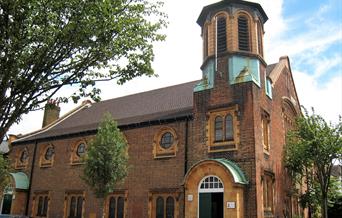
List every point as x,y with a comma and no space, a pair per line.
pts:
233,181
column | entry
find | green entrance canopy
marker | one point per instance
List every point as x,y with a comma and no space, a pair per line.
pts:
234,169
21,180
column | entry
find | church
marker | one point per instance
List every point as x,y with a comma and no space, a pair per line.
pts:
210,148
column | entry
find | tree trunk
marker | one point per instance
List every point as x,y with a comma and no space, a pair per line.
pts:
324,206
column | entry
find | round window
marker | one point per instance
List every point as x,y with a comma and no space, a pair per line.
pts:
166,140
24,156
81,149
49,153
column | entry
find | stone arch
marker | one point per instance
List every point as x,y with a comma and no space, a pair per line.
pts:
233,180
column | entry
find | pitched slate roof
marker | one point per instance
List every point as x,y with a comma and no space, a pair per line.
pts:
160,104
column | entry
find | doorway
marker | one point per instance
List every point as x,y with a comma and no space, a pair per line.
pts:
6,204
211,198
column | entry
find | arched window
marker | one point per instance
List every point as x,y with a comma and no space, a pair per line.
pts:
260,45
218,129
121,207
243,31
45,205
170,207
72,207
211,184
166,140
221,35
112,204
81,149
205,41
24,156
160,208
79,206
50,151
40,206
229,128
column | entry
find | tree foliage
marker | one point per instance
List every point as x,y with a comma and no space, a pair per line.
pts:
106,159
48,44
4,173
311,150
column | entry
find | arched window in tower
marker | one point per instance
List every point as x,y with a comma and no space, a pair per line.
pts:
260,44
205,41
218,129
243,31
229,128
221,35
170,207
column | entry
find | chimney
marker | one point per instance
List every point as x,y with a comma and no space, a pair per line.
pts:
51,112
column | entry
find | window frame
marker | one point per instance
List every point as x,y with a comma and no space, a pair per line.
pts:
227,144
45,195
67,203
268,180
75,159
116,195
266,132
248,34
165,195
223,34
43,162
19,164
158,150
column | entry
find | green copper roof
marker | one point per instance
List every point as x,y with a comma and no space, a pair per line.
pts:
234,169
21,180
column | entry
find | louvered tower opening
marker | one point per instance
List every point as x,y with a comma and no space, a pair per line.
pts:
221,35
243,34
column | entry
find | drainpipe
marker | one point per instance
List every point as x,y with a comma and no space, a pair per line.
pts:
31,175
185,157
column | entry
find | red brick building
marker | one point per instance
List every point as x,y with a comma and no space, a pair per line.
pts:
207,148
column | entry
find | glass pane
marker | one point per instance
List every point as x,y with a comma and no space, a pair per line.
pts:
170,207
24,156
229,128
166,140
49,153
79,207
218,129
80,150
40,206
121,207
112,204
160,208
72,207
46,201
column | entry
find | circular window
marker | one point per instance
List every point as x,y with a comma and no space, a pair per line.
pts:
24,156
166,140
49,153
80,149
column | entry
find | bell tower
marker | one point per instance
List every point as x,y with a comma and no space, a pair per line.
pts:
232,33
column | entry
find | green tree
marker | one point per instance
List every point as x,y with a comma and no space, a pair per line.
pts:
311,150
4,173
48,44
106,161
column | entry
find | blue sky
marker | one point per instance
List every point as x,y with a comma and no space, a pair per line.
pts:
308,31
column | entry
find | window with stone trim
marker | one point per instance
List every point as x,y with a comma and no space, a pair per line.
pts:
116,204
165,143
265,127
22,158
268,193
243,33
260,38
74,204
47,155
40,204
164,205
223,130
221,34
78,150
